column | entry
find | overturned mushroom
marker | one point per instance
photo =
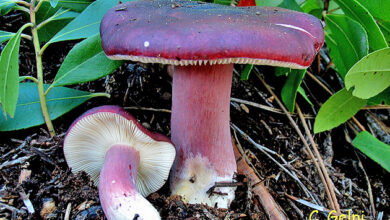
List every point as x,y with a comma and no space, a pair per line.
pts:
203,41
125,160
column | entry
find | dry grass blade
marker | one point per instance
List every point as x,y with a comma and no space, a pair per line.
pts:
308,204
264,107
253,104
68,210
147,109
267,152
322,167
328,188
371,197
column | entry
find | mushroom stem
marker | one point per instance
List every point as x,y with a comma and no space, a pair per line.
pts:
117,186
201,133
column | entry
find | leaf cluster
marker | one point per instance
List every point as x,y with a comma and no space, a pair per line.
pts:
357,37
56,21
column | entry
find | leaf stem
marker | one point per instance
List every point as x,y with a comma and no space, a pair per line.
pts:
48,89
21,8
43,23
26,36
35,80
23,3
99,94
40,2
38,57
44,48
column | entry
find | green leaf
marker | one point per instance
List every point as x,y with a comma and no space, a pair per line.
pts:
9,74
272,3
382,98
28,113
59,21
371,75
45,11
346,40
290,88
282,71
75,5
336,110
53,3
358,12
6,6
59,18
85,62
5,35
313,7
373,148
246,71
379,9
303,94
62,14
222,2
289,4
335,8
87,23
385,28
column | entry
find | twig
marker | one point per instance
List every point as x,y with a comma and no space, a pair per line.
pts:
14,150
11,208
322,171
271,208
332,202
376,107
360,126
239,147
297,210
246,137
148,109
319,82
14,162
222,184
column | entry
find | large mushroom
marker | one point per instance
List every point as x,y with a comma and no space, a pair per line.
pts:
203,41
125,160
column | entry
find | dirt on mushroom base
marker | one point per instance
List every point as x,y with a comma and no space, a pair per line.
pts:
51,180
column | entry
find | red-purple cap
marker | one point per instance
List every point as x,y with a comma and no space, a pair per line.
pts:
181,32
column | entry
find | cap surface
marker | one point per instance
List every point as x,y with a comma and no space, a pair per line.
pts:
92,135
181,32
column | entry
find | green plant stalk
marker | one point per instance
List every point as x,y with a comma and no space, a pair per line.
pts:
38,57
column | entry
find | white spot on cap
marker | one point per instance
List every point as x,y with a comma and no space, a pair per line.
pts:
146,44
113,182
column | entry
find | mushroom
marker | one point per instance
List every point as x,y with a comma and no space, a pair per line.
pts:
125,160
203,41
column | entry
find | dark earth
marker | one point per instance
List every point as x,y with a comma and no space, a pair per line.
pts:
33,168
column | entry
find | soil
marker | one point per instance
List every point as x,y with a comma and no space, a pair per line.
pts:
33,168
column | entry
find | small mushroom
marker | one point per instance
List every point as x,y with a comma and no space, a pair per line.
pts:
202,42
125,160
